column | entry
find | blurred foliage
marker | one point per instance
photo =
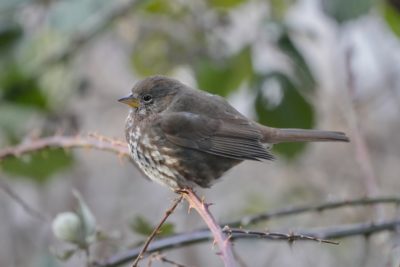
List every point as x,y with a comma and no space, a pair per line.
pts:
9,34
153,54
391,12
225,3
162,37
39,166
141,225
21,89
224,76
300,67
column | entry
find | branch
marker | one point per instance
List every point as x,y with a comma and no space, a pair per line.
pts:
162,258
156,230
90,141
20,201
219,237
252,219
203,235
360,145
291,237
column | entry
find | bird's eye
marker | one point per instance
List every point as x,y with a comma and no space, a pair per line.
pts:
147,98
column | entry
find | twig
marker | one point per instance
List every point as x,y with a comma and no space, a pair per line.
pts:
360,145
20,201
156,230
202,235
219,237
162,258
316,208
291,237
90,141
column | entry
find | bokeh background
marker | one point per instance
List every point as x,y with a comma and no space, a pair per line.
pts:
326,64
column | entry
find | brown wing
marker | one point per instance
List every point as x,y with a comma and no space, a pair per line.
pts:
233,138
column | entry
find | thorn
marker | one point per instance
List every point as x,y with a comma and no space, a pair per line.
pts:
214,243
190,208
207,205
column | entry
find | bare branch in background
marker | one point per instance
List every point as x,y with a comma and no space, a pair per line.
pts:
252,219
21,202
360,145
290,237
185,239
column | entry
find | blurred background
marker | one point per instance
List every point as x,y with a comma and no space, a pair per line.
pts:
326,64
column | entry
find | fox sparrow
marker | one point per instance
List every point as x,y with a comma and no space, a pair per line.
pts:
181,137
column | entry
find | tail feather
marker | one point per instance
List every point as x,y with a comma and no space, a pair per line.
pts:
275,135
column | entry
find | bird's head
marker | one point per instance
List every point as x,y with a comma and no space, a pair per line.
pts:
152,95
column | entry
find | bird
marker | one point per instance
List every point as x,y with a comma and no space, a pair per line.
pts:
183,137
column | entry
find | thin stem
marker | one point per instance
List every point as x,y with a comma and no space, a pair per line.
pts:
219,237
162,258
156,230
360,145
20,201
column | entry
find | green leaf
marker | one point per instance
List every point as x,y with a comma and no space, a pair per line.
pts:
19,88
302,72
39,166
391,14
345,10
9,34
87,219
225,3
141,225
292,112
157,6
224,77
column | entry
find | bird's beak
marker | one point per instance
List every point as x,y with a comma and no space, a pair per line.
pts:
130,101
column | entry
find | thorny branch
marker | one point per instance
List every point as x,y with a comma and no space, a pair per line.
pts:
203,235
93,141
290,237
219,236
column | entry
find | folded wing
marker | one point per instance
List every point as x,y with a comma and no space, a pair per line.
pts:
233,138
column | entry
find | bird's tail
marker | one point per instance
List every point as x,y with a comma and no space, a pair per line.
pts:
276,135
